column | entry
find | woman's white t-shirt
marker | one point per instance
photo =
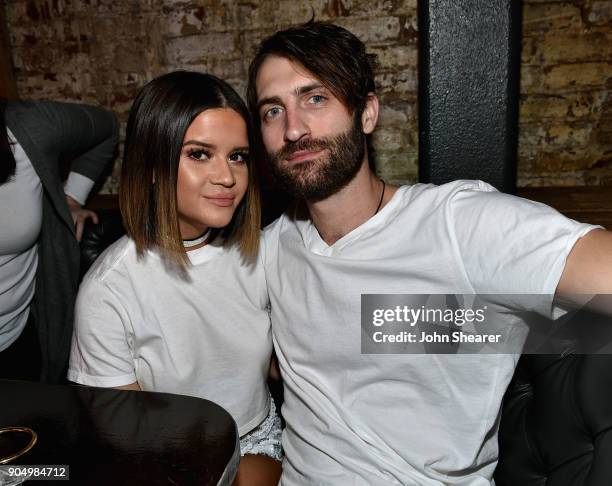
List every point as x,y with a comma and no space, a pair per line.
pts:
204,334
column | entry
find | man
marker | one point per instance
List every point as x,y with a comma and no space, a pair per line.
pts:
356,418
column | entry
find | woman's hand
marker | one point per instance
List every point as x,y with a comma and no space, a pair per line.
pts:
79,216
275,373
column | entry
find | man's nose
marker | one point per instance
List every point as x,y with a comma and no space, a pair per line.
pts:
295,125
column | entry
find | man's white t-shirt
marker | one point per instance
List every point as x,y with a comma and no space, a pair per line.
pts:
207,335
364,419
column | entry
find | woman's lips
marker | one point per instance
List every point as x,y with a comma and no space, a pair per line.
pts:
222,201
302,155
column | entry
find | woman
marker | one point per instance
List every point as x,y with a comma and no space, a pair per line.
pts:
40,222
179,305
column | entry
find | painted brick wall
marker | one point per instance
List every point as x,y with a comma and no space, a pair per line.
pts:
102,51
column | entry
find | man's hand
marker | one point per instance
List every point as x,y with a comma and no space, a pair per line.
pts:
79,216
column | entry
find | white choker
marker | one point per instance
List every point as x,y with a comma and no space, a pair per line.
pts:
197,241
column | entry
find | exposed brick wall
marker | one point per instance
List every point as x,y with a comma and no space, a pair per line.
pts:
566,106
102,51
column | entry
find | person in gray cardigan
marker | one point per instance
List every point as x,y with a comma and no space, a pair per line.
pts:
40,222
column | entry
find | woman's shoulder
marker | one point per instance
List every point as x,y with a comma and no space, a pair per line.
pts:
27,115
225,251
119,254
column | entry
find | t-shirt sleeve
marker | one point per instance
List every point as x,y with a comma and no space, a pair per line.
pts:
100,354
510,245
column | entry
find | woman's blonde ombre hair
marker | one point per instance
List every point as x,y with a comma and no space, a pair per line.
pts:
158,120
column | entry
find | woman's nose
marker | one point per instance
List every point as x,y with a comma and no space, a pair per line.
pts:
223,174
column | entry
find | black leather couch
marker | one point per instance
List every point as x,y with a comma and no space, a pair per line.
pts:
556,425
97,237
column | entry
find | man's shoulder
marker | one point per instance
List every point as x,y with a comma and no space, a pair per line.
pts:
426,200
276,226
428,195
448,190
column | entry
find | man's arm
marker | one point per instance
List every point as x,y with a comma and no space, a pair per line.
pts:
588,268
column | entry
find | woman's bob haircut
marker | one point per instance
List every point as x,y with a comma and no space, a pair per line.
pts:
158,121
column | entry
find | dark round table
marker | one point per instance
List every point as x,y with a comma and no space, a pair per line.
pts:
115,437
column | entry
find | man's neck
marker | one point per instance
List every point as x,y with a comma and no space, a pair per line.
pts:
351,206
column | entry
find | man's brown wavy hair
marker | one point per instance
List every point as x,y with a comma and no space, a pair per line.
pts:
331,53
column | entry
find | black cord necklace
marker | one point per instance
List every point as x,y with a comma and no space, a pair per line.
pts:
382,194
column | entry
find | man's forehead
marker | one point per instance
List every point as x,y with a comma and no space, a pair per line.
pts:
279,75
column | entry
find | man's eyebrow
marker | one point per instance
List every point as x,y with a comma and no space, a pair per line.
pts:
271,100
275,100
308,88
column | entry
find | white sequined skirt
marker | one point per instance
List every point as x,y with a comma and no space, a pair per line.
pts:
265,439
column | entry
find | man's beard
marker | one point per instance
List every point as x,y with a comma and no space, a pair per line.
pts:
321,177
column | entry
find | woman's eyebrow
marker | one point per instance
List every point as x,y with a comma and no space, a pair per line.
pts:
241,148
197,142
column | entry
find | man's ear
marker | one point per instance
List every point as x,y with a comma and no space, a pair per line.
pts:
369,116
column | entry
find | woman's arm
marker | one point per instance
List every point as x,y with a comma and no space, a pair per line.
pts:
131,386
89,136
102,353
274,368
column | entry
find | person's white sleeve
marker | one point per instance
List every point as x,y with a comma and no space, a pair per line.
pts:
78,187
101,354
510,245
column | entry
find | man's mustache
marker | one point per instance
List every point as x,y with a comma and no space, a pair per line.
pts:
310,145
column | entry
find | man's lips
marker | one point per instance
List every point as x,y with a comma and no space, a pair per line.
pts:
302,155
223,201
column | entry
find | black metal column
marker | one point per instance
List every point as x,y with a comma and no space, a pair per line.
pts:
469,71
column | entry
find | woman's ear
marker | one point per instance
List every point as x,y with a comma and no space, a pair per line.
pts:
369,116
